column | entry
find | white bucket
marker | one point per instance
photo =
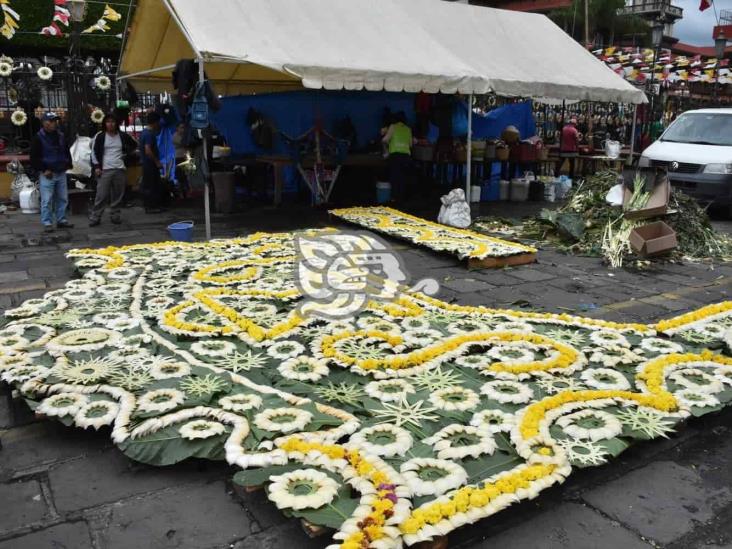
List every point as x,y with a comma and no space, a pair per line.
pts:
475,193
550,194
504,189
519,190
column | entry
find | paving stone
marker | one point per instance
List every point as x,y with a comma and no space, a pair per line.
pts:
110,476
64,269
5,302
669,303
6,414
496,277
34,447
17,299
27,505
462,285
289,534
641,311
21,286
94,236
662,501
63,536
530,274
13,276
568,526
193,516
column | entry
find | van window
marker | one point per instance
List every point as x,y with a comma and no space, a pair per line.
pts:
701,128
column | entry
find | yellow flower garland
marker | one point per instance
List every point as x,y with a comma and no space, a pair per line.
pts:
694,316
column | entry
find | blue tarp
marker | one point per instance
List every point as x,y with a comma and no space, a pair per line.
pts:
491,124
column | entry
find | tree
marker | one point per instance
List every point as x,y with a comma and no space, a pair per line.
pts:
606,26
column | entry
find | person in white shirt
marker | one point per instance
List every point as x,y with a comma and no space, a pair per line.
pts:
110,155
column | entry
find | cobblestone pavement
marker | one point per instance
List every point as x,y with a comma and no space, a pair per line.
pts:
65,488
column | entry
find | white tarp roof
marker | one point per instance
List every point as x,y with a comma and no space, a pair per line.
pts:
394,45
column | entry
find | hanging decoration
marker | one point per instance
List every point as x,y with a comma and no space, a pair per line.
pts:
102,83
45,73
19,118
6,67
97,115
60,17
109,15
10,22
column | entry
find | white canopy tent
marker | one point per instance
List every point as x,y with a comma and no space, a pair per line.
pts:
251,46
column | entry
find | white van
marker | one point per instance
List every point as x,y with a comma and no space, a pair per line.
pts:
696,149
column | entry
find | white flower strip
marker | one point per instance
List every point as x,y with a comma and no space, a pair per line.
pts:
382,440
507,392
317,489
461,441
608,425
429,476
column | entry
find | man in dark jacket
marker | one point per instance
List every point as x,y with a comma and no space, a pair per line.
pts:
111,152
50,157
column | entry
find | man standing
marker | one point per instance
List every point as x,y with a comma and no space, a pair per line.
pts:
152,184
569,147
110,154
399,140
50,157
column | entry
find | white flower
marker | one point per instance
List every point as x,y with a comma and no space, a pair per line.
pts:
507,391
97,414
285,349
593,425
62,404
461,441
168,368
19,118
240,402
200,429
389,390
97,116
415,323
6,69
474,361
428,476
160,400
612,355
44,73
303,368
213,347
605,379
123,274
494,420
102,83
661,346
78,294
697,380
696,399
88,339
383,440
421,338
302,489
515,326
511,354
605,338
283,420
454,399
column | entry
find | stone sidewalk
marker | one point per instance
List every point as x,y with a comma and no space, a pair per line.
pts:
66,488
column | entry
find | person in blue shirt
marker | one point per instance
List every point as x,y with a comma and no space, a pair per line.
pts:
152,184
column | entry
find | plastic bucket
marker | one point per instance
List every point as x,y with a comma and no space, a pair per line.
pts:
504,190
475,191
182,231
383,192
519,190
491,191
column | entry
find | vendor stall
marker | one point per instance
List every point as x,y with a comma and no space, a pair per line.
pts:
251,46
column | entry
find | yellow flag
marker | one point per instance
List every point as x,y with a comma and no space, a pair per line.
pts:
110,14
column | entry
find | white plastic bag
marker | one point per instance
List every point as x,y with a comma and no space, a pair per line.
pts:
612,148
455,210
81,157
615,195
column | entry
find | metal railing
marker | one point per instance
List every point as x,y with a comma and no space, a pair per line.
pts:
725,17
642,7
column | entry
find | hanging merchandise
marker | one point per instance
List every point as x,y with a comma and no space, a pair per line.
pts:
199,108
60,17
11,18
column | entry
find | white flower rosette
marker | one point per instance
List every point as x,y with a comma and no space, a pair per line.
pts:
6,69
213,347
283,420
577,425
19,118
697,380
660,346
506,391
303,368
62,404
102,83
160,400
384,440
96,414
389,390
44,73
97,116
302,489
201,429
240,402
283,350
461,441
696,399
429,476
496,421
605,379
454,399
607,338
87,339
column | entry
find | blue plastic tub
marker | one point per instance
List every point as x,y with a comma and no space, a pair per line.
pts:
491,190
383,192
181,231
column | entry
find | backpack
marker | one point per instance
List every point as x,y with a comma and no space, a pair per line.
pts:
199,109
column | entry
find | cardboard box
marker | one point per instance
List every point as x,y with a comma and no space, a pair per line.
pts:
653,239
658,201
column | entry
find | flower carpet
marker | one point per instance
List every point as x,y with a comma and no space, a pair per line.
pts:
463,243
397,426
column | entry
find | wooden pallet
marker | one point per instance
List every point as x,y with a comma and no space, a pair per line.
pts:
500,262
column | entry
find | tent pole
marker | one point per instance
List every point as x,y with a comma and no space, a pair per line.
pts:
206,198
632,136
470,149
